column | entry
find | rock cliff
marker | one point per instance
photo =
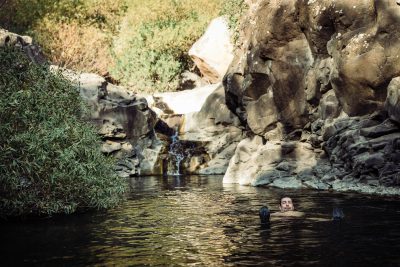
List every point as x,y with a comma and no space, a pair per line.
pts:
317,85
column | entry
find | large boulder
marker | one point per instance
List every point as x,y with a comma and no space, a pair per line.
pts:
292,52
280,164
213,52
392,103
33,51
183,102
366,150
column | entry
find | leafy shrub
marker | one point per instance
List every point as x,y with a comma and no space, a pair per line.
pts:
233,10
151,50
143,44
70,46
75,34
50,161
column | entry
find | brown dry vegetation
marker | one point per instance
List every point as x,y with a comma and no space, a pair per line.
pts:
75,47
143,44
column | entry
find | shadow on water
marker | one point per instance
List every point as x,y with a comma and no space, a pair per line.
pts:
196,220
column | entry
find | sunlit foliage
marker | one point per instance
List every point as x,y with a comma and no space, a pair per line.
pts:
50,161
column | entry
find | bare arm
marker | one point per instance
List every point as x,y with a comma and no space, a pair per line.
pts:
288,214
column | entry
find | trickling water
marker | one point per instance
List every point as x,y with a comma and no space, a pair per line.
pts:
176,155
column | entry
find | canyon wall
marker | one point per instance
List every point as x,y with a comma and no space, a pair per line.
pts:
316,83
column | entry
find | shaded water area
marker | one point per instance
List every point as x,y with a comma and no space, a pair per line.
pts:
198,221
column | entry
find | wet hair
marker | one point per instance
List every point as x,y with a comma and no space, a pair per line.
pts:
337,214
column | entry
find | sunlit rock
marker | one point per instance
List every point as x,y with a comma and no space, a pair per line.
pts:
392,103
183,102
212,53
110,147
280,164
151,163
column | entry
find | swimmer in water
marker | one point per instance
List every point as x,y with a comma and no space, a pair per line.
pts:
286,209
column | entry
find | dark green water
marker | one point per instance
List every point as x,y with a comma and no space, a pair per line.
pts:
198,221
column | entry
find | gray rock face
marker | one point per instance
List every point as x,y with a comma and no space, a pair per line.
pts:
295,51
125,122
282,164
367,154
118,112
217,128
322,74
34,52
392,103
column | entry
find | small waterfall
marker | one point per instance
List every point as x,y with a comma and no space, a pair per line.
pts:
176,155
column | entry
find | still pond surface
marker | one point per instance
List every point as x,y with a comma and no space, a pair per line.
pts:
198,221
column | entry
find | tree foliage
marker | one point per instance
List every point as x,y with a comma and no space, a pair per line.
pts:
50,161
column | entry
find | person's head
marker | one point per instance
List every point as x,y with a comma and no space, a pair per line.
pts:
286,204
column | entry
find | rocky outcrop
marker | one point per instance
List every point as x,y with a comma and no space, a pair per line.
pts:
258,162
218,129
392,103
213,52
321,74
125,122
25,43
204,132
294,51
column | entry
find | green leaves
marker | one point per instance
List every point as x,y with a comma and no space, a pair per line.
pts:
151,51
233,10
50,161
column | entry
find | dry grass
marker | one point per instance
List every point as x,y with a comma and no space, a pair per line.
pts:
143,44
75,47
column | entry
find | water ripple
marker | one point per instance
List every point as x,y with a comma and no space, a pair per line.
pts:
198,221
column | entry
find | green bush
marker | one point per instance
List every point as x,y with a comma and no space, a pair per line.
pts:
50,161
143,44
154,60
233,10
151,50
75,34
23,16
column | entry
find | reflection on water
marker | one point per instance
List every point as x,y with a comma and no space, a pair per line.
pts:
198,221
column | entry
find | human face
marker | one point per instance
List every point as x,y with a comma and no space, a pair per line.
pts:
286,204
